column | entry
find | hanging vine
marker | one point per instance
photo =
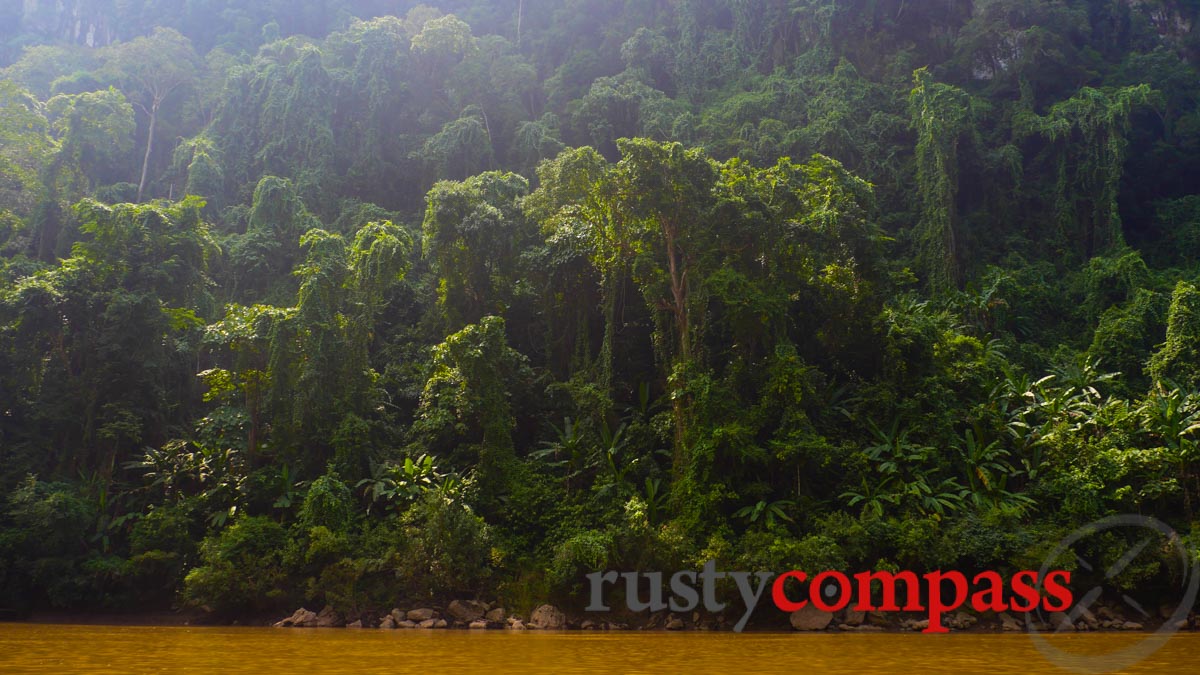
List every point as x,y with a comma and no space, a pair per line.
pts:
1087,134
941,115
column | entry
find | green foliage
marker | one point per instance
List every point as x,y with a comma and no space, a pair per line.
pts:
1178,360
472,234
328,503
447,550
941,115
465,404
241,568
1089,130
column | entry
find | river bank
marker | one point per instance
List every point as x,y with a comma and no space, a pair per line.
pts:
475,615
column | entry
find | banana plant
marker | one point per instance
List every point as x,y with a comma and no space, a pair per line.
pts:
770,513
398,485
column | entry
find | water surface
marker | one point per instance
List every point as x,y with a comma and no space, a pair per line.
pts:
30,648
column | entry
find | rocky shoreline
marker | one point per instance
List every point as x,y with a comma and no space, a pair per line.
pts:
475,615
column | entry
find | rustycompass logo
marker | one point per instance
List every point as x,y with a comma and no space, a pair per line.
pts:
936,593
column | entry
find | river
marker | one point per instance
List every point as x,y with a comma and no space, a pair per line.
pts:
33,648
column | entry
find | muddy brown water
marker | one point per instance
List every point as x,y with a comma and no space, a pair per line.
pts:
40,648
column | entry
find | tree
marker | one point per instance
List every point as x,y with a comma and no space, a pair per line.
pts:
25,146
941,114
1178,360
1087,133
473,234
151,69
92,130
105,335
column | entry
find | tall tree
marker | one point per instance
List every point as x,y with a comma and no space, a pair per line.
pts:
152,69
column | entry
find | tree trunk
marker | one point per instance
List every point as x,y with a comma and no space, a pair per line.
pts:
678,272
149,147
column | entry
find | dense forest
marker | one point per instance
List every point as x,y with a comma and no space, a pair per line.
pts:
350,301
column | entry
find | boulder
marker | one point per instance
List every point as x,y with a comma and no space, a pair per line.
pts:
1132,625
466,611
388,622
675,623
1008,623
548,616
406,624
419,615
327,618
1060,622
915,625
518,625
427,623
301,618
810,618
440,623
854,618
495,615
355,624
399,615
963,621
476,625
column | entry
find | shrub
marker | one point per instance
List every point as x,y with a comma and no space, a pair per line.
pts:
447,551
241,568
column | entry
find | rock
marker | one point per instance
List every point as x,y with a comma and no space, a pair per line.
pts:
917,626
1008,623
406,624
653,621
810,618
588,624
301,618
548,616
328,618
355,624
878,619
518,625
675,623
1090,619
961,621
860,628
440,623
398,616
477,625
495,615
1110,614
466,610
427,623
854,618
419,615
388,622
1132,625
1059,621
